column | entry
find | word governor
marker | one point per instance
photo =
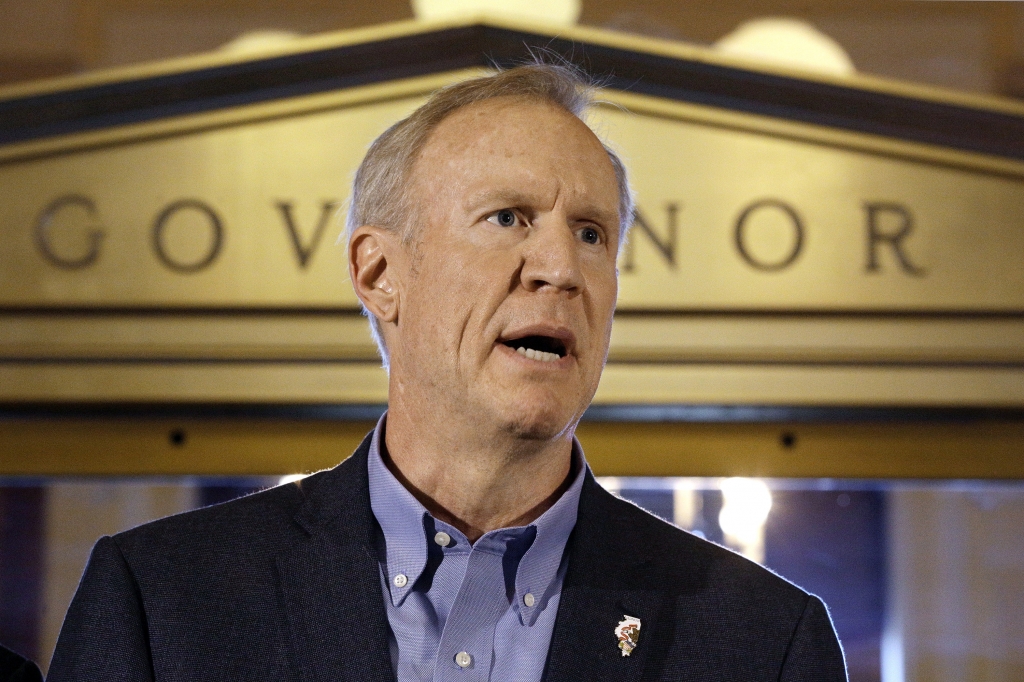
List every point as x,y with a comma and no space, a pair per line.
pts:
887,228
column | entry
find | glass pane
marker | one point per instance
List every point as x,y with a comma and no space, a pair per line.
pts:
924,580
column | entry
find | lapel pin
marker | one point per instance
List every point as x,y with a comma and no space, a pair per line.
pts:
628,634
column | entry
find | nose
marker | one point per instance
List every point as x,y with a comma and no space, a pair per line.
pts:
551,258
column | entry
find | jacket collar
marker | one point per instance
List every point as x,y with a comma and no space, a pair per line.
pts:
330,580
331,587
604,585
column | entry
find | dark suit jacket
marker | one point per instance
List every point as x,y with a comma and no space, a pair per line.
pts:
285,585
14,668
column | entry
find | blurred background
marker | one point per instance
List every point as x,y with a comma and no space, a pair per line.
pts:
914,535
973,46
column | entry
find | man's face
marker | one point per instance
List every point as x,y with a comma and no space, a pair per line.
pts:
507,310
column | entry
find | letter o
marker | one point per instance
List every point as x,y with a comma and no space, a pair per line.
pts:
45,221
798,227
161,223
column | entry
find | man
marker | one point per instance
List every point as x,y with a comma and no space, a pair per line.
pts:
466,539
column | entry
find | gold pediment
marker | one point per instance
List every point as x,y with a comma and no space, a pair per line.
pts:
217,182
170,230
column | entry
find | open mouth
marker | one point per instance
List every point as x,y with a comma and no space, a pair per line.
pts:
542,348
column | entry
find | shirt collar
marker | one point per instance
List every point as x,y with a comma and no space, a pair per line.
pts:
401,517
539,567
403,520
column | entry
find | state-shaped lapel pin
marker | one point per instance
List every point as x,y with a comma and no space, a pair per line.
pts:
628,633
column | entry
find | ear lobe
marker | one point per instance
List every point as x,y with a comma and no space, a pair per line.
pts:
372,273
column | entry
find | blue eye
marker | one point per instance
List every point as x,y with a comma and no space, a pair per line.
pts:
590,235
506,217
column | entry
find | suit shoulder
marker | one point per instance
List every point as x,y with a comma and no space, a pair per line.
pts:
245,522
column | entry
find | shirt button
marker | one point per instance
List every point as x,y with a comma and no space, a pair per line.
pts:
401,580
443,539
528,599
463,659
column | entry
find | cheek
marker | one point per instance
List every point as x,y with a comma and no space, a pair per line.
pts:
453,293
603,284
478,266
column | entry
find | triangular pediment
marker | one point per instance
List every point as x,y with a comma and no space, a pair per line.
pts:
188,211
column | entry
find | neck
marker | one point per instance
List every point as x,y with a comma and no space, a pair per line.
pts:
470,478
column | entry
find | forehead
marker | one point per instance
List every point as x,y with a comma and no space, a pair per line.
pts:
513,140
505,118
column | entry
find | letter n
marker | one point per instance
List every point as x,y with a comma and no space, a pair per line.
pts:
665,246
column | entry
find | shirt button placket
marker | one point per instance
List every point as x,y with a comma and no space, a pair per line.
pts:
468,635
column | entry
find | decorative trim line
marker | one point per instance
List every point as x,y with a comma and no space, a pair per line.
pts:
689,80
90,310
619,413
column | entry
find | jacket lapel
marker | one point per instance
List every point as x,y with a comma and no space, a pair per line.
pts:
604,583
330,581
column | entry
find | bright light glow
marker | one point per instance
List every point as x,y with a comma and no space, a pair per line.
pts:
686,503
610,483
788,42
258,41
745,506
893,666
291,478
549,11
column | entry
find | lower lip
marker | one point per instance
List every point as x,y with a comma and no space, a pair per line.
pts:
561,363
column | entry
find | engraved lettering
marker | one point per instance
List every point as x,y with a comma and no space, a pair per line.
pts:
791,216
666,247
879,213
304,252
163,221
44,233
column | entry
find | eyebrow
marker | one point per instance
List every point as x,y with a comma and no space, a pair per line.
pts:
504,197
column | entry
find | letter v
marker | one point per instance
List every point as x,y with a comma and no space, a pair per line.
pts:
304,252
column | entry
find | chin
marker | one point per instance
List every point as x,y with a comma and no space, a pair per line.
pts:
539,417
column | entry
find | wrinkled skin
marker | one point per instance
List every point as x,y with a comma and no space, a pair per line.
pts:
515,231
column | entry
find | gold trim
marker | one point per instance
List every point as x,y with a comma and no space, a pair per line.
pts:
815,339
214,59
811,385
597,36
245,337
423,85
133,447
677,338
225,118
149,447
191,382
986,450
364,382
877,145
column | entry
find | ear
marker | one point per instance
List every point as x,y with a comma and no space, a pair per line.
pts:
373,253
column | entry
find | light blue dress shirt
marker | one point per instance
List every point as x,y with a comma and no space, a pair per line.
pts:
461,612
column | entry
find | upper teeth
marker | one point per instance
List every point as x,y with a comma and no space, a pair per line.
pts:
537,354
